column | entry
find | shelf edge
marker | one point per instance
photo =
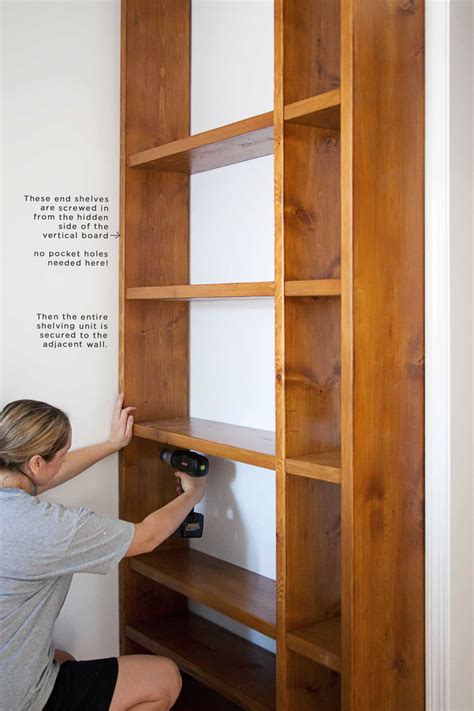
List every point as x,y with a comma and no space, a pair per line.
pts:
202,140
225,451
187,292
313,287
315,650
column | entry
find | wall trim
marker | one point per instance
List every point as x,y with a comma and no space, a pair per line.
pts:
437,335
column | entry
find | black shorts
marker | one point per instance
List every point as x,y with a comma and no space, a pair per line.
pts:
84,686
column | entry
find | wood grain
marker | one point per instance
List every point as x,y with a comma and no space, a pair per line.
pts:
324,466
187,292
313,287
313,540
348,207
154,249
240,444
226,145
320,642
312,203
312,686
312,375
311,48
308,182
388,652
229,589
236,668
322,111
280,475
347,364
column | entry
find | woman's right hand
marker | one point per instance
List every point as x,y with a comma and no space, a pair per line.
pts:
162,523
191,484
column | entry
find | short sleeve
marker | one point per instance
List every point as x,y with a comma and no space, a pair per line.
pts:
64,540
98,544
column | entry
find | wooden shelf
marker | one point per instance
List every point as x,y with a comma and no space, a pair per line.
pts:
240,444
322,110
237,669
238,593
320,642
313,287
234,143
188,292
325,466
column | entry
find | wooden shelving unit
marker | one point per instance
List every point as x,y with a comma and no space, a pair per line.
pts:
347,608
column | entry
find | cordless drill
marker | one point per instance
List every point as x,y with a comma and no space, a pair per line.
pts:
194,464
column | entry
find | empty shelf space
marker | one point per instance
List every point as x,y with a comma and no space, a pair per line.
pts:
320,642
234,143
322,111
313,287
237,669
325,466
240,444
236,592
188,292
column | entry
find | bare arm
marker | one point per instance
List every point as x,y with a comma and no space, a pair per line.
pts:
160,524
81,459
78,461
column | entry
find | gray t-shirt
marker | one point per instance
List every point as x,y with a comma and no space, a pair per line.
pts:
41,546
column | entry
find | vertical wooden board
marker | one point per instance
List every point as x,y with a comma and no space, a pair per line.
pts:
314,551
157,72
156,228
313,373
311,48
312,203
156,359
347,365
310,388
154,251
388,536
145,599
281,658
312,687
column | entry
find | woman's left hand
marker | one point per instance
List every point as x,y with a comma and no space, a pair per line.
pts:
122,424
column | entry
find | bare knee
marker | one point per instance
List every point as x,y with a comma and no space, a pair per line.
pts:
146,680
173,678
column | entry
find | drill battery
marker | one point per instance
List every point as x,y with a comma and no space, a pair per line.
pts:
192,526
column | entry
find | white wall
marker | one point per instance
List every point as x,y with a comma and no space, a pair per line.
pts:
232,343
60,115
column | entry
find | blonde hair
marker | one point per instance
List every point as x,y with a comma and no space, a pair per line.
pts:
30,427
